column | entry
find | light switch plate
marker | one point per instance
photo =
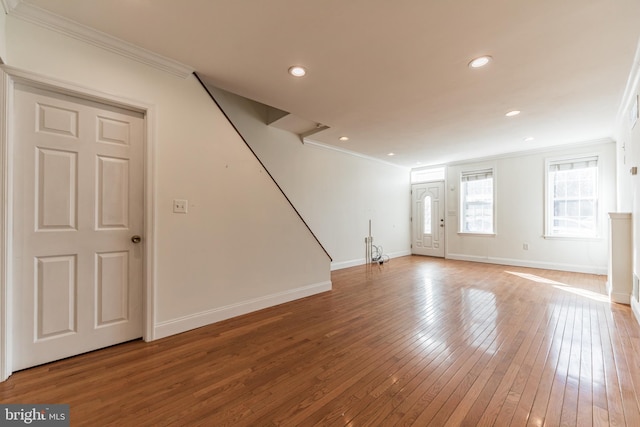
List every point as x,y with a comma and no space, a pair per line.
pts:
179,206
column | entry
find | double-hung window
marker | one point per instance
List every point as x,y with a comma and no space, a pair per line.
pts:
572,197
476,202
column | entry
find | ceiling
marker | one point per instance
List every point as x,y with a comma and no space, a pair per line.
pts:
394,76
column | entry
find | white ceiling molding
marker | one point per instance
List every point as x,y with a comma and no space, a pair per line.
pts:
531,152
70,28
9,5
519,153
428,107
352,153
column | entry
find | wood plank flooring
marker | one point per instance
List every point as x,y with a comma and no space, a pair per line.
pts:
419,341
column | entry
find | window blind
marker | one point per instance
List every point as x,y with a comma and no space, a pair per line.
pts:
582,163
476,175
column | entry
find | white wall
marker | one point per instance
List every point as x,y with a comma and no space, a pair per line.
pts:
628,150
519,181
3,36
336,193
241,246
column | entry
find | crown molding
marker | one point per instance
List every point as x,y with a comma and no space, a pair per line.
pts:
9,5
352,153
532,152
511,154
70,28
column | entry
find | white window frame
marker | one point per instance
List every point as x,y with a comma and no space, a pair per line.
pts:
548,196
461,199
428,174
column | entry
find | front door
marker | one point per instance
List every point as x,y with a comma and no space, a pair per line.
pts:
78,201
427,223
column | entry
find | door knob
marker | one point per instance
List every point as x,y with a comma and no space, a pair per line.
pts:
136,239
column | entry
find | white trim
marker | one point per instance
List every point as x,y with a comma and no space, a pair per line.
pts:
437,166
352,153
472,160
630,90
197,320
427,168
59,24
635,307
72,89
10,76
547,206
590,269
9,5
590,155
414,187
618,297
620,215
472,168
399,254
339,265
150,227
541,150
5,229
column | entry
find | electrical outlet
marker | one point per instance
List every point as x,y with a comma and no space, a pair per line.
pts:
179,206
525,246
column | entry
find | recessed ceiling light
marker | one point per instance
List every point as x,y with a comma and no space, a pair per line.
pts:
480,61
512,113
297,71
529,139
391,154
344,138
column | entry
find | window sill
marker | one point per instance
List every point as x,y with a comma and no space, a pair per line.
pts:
462,233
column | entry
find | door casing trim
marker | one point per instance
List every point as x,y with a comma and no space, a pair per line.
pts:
9,76
444,204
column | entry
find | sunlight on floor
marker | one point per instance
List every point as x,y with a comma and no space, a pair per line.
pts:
583,292
562,286
535,278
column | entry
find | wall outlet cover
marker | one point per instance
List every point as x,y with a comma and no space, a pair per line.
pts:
179,206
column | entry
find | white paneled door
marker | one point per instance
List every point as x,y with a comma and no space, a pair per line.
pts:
427,222
78,208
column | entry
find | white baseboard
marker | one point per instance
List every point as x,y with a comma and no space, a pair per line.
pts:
620,298
346,264
398,254
635,307
591,269
197,320
361,261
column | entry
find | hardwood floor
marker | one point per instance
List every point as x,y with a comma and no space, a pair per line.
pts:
421,341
